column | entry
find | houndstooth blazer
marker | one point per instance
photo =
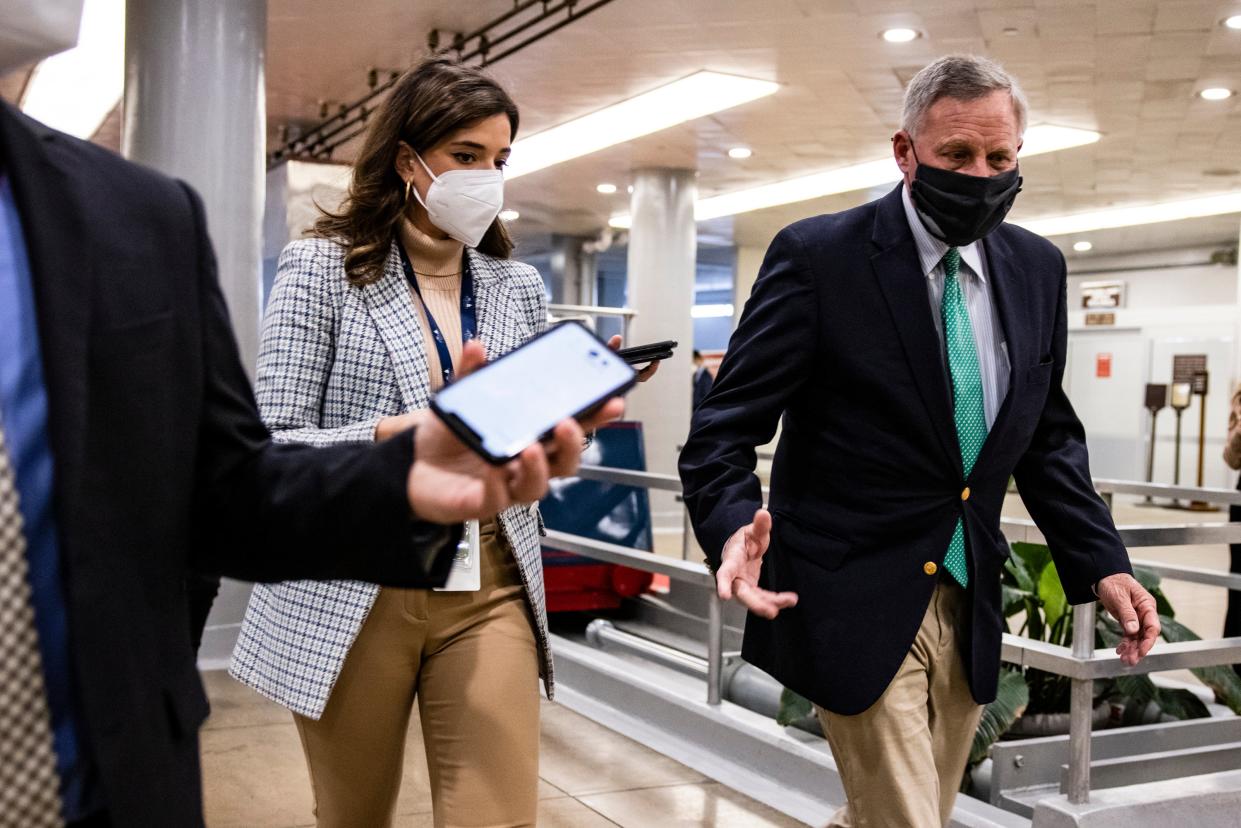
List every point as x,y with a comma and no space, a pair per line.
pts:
333,361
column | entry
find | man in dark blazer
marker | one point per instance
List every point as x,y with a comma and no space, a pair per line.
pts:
914,348
131,451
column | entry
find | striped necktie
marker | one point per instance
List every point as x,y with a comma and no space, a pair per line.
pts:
967,397
29,786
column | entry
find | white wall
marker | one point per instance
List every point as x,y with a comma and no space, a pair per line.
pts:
1186,309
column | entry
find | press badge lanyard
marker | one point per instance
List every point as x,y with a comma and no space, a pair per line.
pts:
464,575
469,316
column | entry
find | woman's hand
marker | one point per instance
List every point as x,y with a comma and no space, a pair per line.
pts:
646,373
390,426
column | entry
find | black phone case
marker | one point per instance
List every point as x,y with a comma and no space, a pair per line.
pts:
467,435
647,353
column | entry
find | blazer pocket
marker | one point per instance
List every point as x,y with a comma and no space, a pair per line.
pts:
1040,374
810,543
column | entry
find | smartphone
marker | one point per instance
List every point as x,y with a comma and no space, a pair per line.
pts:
642,354
511,403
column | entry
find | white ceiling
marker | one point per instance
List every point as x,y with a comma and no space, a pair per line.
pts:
1128,68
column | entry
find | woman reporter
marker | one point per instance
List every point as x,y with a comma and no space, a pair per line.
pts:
367,319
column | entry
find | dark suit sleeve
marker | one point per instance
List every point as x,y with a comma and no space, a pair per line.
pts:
768,360
1053,477
268,512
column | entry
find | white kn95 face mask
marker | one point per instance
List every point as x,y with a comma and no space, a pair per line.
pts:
463,203
35,29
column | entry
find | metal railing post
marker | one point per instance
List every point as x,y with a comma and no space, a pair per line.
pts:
1081,707
715,648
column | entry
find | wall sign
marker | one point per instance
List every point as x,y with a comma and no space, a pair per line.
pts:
1103,366
1097,295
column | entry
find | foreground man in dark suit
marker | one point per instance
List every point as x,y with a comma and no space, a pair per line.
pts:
914,347
131,450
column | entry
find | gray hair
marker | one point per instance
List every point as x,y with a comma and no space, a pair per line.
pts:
964,78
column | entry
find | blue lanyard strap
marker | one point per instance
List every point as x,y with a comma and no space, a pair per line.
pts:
469,317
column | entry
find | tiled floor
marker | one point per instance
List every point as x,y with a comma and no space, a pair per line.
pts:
591,777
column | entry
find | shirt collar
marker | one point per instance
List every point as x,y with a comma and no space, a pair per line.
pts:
931,250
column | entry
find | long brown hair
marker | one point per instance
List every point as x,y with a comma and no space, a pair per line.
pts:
429,103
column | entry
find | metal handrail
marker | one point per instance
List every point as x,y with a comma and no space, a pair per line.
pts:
1082,664
594,310
1201,494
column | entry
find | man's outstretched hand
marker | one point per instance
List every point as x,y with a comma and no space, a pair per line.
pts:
450,483
1134,608
740,564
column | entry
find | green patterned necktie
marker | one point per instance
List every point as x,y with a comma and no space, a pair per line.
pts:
967,400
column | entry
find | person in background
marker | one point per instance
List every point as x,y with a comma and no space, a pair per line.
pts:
913,349
702,379
367,320
1232,456
132,452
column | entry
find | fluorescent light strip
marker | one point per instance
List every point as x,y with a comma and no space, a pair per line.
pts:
1212,205
710,311
1039,139
702,93
75,90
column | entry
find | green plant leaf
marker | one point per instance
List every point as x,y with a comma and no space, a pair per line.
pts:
1034,618
792,708
1033,558
1014,600
1180,704
1012,697
1222,679
1018,576
1051,593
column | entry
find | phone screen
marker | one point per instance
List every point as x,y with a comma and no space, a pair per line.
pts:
512,402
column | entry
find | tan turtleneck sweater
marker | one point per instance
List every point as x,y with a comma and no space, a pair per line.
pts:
437,266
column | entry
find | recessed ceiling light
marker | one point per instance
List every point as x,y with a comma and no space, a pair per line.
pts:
509,215
1215,93
900,35
1121,216
605,189
1233,22
1039,139
1083,246
702,93
740,153
75,90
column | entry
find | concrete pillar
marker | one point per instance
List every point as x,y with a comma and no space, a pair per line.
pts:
663,244
194,108
749,260
567,261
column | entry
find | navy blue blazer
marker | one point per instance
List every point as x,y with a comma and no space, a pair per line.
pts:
867,483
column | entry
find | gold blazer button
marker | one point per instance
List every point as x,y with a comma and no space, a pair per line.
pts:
930,568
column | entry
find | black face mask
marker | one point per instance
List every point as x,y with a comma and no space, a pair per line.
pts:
960,209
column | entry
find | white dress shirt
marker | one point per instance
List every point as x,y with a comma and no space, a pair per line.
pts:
984,319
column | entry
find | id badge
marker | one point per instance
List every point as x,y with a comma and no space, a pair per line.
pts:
464,575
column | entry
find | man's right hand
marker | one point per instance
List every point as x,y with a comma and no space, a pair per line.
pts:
740,564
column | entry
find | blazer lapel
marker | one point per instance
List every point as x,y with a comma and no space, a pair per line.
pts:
899,274
57,239
500,323
392,309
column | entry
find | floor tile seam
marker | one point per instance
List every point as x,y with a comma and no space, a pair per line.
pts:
596,812
702,783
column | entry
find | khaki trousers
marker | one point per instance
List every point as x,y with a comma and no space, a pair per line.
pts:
471,662
901,761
